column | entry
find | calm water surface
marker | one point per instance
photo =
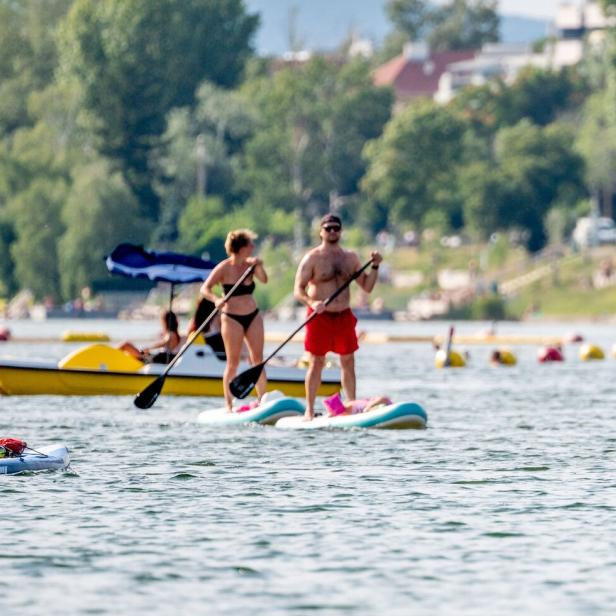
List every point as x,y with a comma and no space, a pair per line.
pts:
506,504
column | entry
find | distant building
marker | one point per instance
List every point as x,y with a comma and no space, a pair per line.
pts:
416,72
577,26
495,60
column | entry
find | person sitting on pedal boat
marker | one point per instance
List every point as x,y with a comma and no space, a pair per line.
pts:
163,350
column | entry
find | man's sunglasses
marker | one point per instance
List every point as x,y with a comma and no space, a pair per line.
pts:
330,228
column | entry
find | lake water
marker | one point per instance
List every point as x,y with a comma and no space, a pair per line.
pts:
506,504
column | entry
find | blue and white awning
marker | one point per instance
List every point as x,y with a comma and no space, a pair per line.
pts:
136,262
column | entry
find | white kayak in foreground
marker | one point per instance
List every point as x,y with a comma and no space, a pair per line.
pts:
399,416
267,413
53,458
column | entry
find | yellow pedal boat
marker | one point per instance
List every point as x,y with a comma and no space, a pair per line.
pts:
99,370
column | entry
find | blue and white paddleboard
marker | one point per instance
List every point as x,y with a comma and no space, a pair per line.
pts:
54,458
268,412
399,416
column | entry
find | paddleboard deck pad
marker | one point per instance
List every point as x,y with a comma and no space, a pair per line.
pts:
399,416
55,458
267,413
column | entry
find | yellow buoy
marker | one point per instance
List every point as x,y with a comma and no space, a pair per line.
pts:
456,360
589,352
503,357
73,336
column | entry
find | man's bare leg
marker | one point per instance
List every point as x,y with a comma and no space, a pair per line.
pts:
347,369
313,380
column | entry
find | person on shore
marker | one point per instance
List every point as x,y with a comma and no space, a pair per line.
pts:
164,349
240,317
335,405
211,334
320,273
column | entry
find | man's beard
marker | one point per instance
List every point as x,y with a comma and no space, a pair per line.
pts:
334,240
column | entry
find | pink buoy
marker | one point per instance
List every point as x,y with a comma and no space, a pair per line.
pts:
550,353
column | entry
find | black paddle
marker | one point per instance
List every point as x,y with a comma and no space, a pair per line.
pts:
244,383
448,347
148,396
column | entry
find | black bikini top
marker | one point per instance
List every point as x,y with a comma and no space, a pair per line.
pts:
243,289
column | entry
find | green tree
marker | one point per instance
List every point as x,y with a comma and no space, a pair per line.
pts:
28,56
414,166
7,237
137,59
465,24
540,96
100,212
313,122
534,169
411,17
596,141
457,24
202,146
36,213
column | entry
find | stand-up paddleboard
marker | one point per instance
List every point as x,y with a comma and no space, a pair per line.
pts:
274,406
399,416
53,458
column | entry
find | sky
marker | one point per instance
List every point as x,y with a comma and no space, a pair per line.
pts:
532,8
324,23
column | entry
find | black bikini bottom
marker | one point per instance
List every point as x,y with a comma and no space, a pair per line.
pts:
243,319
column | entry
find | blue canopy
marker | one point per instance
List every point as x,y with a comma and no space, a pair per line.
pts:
136,262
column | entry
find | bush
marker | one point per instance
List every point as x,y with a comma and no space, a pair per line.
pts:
485,308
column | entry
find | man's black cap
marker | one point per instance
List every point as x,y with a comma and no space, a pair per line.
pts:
329,219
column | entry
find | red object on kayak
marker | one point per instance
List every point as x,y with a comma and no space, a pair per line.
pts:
5,334
14,445
550,353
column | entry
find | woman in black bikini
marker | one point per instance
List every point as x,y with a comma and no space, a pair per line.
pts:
240,318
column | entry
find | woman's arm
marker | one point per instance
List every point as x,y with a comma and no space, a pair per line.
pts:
259,272
215,277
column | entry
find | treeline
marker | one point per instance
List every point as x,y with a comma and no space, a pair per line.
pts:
154,122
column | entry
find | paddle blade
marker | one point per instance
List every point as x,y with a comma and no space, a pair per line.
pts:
245,382
146,398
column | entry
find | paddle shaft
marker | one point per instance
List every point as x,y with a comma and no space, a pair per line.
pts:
448,346
328,301
146,398
207,321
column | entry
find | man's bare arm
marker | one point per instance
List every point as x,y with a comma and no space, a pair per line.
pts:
367,280
302,280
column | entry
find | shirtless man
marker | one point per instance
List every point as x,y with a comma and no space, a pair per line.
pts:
323,270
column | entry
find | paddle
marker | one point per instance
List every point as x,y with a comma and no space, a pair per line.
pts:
148,396
244,382
448,346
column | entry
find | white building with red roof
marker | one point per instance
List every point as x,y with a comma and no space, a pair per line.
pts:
416,72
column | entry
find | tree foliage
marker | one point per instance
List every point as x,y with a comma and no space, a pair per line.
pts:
36,213
457,24
534,169
99,213
414,166
137,59
27,55
314,120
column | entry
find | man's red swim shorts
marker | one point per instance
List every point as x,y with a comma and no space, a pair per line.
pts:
331,332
